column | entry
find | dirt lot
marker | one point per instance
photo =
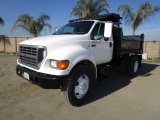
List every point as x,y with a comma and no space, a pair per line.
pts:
118,98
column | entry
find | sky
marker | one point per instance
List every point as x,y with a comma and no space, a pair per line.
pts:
59,10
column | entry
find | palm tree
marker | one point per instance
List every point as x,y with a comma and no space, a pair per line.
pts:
87,8
1,21
135,18
32,25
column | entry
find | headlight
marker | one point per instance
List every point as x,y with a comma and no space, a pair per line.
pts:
62,64
53,64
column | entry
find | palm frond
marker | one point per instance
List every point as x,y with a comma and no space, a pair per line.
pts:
87,8
24,18
32,25
42,18
20,25
1,21
127,13
76,11
136,18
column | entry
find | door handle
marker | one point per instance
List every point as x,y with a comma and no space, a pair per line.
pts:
110,44
93,45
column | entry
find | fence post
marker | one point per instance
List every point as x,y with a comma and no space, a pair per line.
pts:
159,49
4,42
145,47
16,44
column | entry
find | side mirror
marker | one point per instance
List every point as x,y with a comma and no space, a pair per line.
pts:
108,30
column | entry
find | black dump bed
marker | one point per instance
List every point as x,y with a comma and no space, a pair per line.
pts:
126,45
106,17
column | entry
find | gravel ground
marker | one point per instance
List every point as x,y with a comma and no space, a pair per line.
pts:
118,98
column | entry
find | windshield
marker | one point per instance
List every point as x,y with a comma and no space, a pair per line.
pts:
75,28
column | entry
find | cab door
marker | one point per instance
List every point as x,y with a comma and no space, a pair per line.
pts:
101,47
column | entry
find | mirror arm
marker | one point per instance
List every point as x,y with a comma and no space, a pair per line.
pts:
106,38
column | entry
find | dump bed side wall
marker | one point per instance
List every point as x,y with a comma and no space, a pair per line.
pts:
131,44
125,46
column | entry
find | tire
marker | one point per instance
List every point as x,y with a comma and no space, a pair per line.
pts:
124,65
133,66
77,86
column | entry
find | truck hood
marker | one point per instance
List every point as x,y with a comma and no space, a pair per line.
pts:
54,40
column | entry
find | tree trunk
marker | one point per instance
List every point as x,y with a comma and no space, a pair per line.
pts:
133,32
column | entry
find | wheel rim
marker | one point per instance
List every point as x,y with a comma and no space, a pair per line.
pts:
136,66
82,86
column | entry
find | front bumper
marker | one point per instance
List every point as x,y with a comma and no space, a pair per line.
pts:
44,80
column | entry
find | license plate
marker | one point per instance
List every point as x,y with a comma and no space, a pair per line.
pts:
26,75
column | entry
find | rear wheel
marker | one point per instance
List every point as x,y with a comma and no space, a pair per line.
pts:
124,65
133,65
77,86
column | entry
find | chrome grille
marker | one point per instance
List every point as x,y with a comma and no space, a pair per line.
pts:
31,56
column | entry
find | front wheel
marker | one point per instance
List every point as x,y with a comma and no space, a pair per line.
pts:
77,86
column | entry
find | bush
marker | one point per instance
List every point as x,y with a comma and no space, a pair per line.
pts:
8,53
157,60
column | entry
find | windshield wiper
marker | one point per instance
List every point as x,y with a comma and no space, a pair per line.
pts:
80,33
67,33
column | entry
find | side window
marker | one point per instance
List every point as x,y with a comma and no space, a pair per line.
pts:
98,31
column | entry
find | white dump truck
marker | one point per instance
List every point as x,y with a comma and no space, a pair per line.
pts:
72,57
